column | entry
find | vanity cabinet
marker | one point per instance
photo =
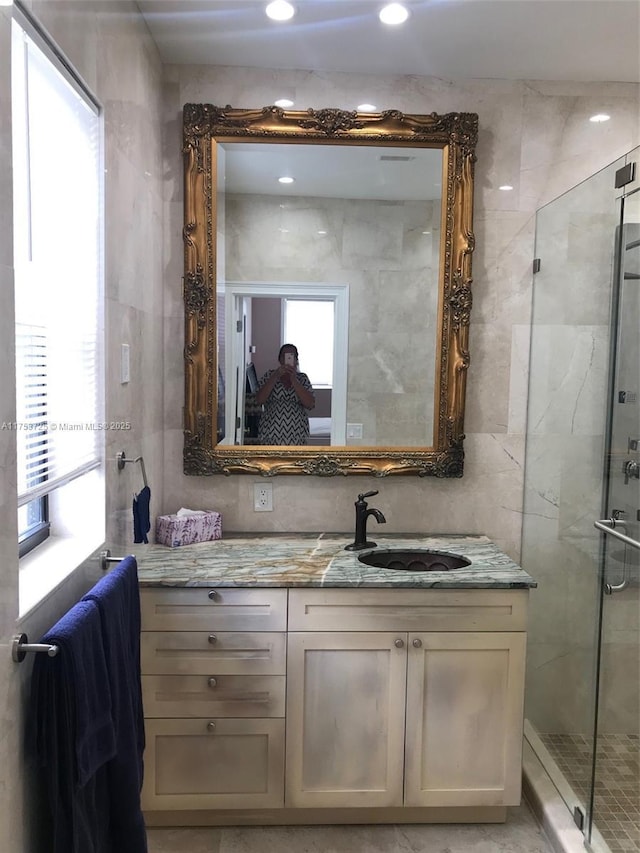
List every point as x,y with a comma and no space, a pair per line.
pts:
213,687
400,704
402,716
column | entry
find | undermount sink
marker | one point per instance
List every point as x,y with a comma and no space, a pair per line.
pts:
414,560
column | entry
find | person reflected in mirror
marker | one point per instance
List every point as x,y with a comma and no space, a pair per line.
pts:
287,395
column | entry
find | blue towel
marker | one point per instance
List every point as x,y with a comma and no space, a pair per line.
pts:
117,597
141,517
71,729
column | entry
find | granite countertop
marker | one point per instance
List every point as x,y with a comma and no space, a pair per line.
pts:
319,560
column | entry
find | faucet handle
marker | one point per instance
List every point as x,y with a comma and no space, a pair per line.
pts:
367,495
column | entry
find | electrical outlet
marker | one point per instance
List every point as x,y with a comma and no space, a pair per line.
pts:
263,497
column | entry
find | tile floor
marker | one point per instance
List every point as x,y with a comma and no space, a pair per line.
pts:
617,788
520,834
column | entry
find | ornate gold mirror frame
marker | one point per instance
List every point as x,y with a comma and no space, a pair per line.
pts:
204,126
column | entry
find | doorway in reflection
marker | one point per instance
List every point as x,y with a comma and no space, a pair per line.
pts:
260,317
308,324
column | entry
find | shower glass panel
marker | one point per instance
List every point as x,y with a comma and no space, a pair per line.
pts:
564,478
616,789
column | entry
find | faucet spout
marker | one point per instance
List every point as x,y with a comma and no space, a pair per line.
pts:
362,513
379,517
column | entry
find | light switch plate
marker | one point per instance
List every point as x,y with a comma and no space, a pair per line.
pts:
125,364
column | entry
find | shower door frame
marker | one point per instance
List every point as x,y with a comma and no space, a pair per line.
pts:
583,808
610,520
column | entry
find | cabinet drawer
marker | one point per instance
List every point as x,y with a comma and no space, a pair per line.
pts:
213,764
205,653
213,608
213,696
407,610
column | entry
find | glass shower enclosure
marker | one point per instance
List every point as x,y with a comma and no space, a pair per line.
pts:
582,461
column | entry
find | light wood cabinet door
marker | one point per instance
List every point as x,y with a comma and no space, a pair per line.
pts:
214,764
464,719
345,719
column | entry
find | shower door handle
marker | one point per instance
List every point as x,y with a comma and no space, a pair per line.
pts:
607,525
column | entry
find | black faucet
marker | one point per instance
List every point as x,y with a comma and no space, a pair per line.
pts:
362,513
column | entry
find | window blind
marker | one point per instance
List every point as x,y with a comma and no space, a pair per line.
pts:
57,250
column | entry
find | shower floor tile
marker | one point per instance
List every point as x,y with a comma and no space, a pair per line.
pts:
617,788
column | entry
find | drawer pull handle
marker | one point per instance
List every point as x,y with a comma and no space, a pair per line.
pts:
399,644
213,639
212,594
212,682
211,726
417,643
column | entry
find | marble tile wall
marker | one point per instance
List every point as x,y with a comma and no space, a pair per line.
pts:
376,249
533,135
110,47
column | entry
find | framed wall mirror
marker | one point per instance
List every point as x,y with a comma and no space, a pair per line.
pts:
350,236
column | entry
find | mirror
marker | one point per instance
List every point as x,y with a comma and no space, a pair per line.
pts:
373,240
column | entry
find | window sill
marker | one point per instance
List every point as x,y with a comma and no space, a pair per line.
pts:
48,565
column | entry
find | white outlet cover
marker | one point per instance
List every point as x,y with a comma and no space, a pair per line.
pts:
263,497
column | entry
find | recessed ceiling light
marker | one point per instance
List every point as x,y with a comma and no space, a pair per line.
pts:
426,232
322,232
286,180
283,102
600,117
505,188
394,13
366,108
280,10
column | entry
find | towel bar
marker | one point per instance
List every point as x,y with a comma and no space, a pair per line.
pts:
122,461
21,645
105,558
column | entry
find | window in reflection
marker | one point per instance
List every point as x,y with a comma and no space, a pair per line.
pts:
312,323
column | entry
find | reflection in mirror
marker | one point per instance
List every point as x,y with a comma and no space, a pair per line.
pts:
367,218
260,317
375,216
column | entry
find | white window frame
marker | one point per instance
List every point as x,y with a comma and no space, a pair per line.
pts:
76,498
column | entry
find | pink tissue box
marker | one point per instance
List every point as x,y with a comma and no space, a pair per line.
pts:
176,530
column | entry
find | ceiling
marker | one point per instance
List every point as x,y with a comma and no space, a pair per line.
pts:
333,171
579,40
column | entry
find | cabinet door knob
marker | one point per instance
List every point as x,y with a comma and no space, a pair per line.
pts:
398,643
212,682
211,726
417,643
213,639
212,594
